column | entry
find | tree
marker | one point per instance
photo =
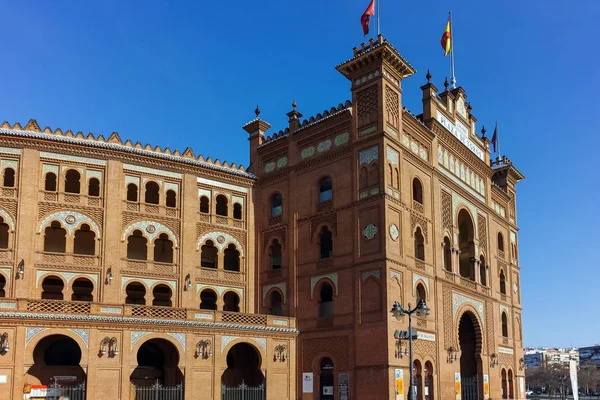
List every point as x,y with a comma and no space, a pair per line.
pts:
588,376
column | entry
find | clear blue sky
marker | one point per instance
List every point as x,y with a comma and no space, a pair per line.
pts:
190,74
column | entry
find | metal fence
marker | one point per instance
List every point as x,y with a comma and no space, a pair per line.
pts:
56,391
243,392
469,388
157,392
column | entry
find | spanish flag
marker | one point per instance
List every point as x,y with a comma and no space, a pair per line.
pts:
447,39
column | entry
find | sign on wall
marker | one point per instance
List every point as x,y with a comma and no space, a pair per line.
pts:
307,382
457,385
399,384
486,386
343,385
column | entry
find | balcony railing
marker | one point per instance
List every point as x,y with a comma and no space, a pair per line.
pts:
155,312
154,209
221,220
468,283
68,258
212,273
72,198
9,192
418,207
149,266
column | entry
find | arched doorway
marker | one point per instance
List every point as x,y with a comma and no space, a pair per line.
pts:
243,377
469,337
56,361
326,379
157,363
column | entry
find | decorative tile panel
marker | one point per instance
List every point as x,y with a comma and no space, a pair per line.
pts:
180,337
221,240
342,139
505,309
14,164
262,342
237,199
269,167
369,155
392,155
225,340
281,286
137,335
30,332
7,305
370,231
459,299
425,280
222,185
204,192
7,218
50,168
324,146
397,275
152,171
70,220
315,279
171,186
66,275
282,162
83,334
132,179
89,174
150,229
307,152
367,131
64,157
149,282
366,275
9,150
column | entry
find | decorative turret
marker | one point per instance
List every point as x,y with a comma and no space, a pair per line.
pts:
294,118
256,129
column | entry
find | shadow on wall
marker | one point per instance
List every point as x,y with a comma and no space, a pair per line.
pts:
55,355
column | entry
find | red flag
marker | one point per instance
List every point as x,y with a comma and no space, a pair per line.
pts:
364,20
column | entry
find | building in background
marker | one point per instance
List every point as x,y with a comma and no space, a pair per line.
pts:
590,355
538,357
365,204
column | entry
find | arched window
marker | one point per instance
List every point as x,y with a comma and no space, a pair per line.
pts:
417,191
373,174
208,300
4,229
447,254
275,303
391,173
208,256
132,192
325,190
237,211
326,300
9,177
363,181
231,259
137,248
85,241
502,282
429,381
222,205
231,302
275,255
82,290
419,245
326,243
136,293
466,245
151,196
163,249
50,182
418,375
482,271
55,238
162,296
421,294
396,178
511,393
500,241
2,286
52,288
204,205
94,188
72,184
276,205
171,199
504,325
504,384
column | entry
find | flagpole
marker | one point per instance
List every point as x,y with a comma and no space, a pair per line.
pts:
378,27
453,79
497,141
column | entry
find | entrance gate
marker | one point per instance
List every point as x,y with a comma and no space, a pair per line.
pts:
469,388
56,391
157,392
243,392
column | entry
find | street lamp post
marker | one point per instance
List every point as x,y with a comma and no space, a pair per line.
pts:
397,312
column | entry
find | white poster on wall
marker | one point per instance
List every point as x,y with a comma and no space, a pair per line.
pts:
307,382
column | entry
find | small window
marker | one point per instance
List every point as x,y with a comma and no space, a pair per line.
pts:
72,184
204,205
2,286
208,300
94,187
4,229
482,271
363,180
500,241
326,301
421,294
502,283
50,182
231,302
208,256
417,191
85,241
82,290
136,293
52,288
276,205
137,246
132,192
237,211
447,255
275,255
55,238
276,301
171,199
162,296
222,208
152,196
231,259
326,243
9,177
325,190
419,245
163,249
504,325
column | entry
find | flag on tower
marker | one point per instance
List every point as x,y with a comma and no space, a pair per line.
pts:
447,39
365,18
495,137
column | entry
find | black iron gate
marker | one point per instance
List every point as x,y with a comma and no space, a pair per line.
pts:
469,388
243,392
57,391
157,392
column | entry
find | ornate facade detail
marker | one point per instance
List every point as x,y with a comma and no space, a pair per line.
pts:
396,275
150,229
130,218
83,334
369,155
394,232
149,282
425,349
67,276
416,278
376,274
459,299
392,107
137,335
337,346
70,220
225,340
330,219
221,241
482,230
366,103
279,233
220,289
30,332
370,231
281,286
491,340
180,337
392,156
448,317
8,219
415,220
333,277
447,211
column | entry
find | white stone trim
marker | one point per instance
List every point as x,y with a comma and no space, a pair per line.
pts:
281,286
316,279
151,171
79,219
425,280
214,236
143,227
149,282
64,157
222,185
67,276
